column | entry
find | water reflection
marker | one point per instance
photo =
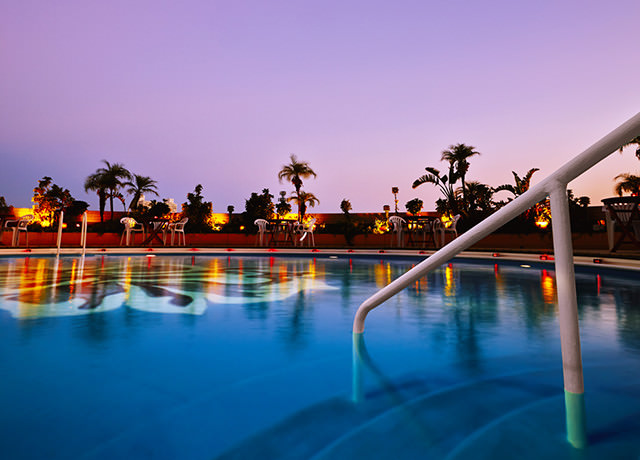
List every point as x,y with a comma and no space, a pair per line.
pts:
73,286
458,305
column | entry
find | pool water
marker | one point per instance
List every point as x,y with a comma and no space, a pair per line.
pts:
197,357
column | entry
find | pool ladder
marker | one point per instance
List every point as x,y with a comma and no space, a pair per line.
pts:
83,233
555,187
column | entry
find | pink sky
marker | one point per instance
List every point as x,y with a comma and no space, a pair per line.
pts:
368,92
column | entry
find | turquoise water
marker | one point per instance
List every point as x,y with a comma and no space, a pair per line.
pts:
224,357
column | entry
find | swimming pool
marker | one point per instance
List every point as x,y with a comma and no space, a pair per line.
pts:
252,357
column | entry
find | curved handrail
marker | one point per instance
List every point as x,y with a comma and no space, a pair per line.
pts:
556,182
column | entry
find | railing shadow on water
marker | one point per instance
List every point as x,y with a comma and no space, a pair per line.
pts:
362,363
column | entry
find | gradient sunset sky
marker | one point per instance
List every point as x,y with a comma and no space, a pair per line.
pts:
368,92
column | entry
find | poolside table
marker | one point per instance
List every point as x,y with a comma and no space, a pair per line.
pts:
282,230
420,226
155,227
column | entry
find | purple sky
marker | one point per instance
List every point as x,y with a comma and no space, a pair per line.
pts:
369,92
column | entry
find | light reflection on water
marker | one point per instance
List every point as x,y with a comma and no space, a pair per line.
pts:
489,295
158,331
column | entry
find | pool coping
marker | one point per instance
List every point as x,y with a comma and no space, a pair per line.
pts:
537,257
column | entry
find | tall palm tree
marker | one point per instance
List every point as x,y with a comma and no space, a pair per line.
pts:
294,172
95,182
458,156
139,186
114,176
634,141
627,183
303,199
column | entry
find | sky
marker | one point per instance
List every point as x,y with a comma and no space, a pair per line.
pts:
369,93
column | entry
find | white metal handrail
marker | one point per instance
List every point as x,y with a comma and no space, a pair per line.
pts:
554,186
59,239
83,233
556,182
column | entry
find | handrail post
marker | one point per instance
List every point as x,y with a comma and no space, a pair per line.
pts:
83,233
568,316
59,239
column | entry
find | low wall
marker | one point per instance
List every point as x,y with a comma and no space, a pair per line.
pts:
497,241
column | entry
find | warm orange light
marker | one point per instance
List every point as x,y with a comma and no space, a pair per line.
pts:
542,224
446,220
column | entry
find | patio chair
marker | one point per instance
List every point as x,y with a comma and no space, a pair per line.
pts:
178,227
262,229
19,225
397,228
307,230
130,227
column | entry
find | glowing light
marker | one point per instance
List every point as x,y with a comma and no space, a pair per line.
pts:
525,266
542,224
447,220
548,287
380,226
450,285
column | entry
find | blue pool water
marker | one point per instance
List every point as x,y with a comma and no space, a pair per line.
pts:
240,358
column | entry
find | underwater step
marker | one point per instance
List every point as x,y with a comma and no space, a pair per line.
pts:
613,424
413,418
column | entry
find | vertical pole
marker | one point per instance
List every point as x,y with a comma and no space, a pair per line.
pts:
59,240
83,233
568,316
357,385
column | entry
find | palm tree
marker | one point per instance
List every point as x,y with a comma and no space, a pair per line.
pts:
303,199
444,182
627,183
479,196
113,176
634,141
95,182
294,172
521,185
139,186
458,156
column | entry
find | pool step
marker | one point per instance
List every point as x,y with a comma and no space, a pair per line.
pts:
428,414
512,416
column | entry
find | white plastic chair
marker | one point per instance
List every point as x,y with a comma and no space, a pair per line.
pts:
611,227
20,226
397,228
262,229
307,230
178,228
130,226
439,227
